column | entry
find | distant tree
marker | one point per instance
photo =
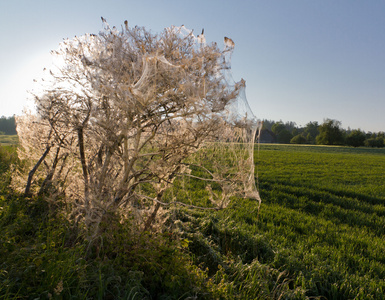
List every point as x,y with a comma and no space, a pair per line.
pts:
278,127
356,138
267,124
375,142
379,142
284,136
290,126
370,135
311,131
298,139
267,136
330,133
282,133
8,125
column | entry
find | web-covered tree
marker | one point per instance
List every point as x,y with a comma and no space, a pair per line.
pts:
125,113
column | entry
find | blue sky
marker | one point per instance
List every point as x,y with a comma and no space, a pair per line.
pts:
303,60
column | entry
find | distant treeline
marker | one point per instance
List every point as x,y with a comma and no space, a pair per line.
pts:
7,125
327,133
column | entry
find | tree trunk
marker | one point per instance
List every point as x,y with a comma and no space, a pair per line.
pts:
32,172
151,218
84,164
47,181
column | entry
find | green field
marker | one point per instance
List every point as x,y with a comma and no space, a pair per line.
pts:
6,140
319,234
320,229
324,214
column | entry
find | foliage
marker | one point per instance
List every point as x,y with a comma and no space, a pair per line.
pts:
311,132
268,124
356,138
7,125
330,133
278,127
298,139
43,257
284,137
330,136
8,158
375,142
283,134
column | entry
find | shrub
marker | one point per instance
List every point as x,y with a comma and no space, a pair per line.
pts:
375,142
298,139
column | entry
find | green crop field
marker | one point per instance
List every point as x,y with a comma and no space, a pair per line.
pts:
319,231
323,213
318,234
